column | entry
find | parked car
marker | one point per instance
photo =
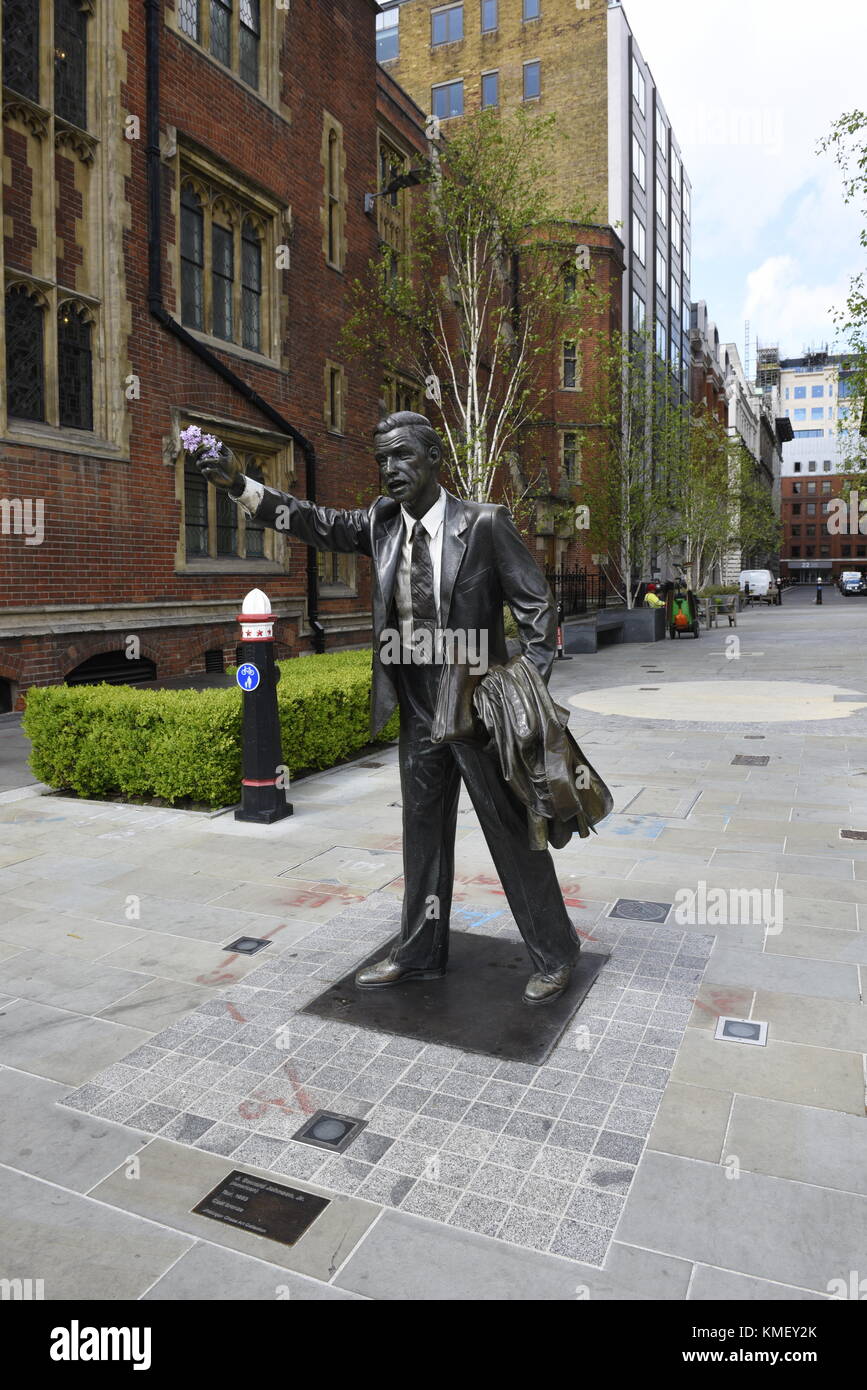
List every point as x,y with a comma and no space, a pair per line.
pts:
852,583
762,585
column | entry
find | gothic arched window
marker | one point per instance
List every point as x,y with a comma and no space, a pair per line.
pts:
21,47
25,355
192,258
222,277
75,367
251,287
248,47
70,61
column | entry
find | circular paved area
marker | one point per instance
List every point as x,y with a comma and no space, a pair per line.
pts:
723,701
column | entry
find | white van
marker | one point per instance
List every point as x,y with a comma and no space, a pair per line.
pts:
762,584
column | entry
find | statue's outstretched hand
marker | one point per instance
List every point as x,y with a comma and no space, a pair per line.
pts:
222,470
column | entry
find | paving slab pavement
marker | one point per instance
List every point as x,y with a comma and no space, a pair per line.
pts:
647,1159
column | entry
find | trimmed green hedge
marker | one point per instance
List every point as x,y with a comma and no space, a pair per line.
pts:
185,745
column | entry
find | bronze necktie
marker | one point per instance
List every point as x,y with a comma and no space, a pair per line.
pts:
421,582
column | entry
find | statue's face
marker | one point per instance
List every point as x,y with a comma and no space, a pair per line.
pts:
407,467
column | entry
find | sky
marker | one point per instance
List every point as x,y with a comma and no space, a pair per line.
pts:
751,87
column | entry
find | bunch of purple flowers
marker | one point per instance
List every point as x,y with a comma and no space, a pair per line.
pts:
206,446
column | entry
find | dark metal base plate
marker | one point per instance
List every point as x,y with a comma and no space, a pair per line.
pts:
477,1007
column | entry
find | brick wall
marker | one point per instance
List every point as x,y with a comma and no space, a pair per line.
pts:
112,517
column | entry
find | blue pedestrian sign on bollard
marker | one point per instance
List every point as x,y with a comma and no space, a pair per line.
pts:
247,676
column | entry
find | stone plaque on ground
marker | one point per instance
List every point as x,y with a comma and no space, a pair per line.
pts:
262,1207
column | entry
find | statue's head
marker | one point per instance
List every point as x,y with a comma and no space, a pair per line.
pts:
408,451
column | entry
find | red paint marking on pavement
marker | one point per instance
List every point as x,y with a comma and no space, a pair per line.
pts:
720,1002
300,1094
234,1012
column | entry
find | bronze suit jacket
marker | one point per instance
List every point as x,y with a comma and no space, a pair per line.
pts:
484,565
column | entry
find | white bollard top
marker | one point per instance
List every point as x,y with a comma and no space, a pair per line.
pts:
256,602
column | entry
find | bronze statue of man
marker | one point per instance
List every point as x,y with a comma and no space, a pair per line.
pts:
440,565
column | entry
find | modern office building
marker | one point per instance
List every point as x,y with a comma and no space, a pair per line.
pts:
615,149
815,397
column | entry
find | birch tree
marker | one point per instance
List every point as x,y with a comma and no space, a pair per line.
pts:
487,288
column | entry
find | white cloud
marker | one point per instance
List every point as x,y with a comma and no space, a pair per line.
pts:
750,91
784,309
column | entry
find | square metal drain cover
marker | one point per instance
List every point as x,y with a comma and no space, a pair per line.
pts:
327,1130
751,760
742,1030
247,945
635,910
853,834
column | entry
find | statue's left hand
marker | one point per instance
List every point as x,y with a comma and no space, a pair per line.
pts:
222,471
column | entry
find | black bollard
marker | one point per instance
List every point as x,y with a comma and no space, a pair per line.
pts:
263,797
819,589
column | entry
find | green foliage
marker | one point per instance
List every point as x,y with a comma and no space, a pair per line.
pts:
489,283
185,745
847,142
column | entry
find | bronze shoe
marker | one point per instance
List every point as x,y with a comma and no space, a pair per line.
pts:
543,988
389,972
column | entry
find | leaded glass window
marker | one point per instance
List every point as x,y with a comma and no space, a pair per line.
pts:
254,547
25,355
188,18
223,274
221,26
192,258
75,368
70,61
21,47
227,525
251,287
248,53
195,512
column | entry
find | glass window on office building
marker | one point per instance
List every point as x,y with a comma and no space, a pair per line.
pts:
388,35
638,162
661,131
687,202
661,202
661,272
532,9
675,171
817,392
661,339
490,89
489,16
800,393
448,100
639,90
447,25
639,313
638,237
532,80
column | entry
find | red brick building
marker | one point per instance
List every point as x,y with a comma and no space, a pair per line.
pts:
184,212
